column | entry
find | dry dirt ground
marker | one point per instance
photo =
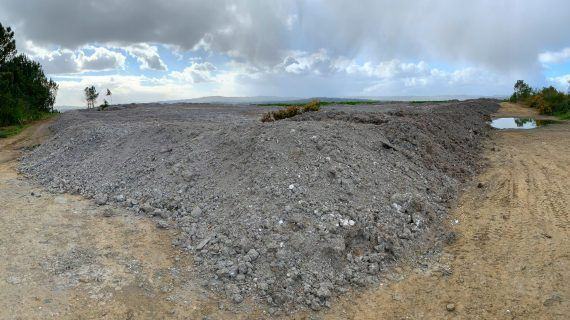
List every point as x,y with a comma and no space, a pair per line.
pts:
512,256
61,257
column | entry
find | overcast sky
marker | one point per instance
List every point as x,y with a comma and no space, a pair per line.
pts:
149,50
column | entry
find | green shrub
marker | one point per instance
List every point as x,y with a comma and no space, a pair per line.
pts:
314,105
547,100
104,106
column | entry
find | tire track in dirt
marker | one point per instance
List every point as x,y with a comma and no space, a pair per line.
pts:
512,257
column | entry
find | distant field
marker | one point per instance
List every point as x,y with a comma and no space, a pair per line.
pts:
351,102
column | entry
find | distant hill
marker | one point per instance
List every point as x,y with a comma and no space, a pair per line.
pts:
273,100
234,100
277,100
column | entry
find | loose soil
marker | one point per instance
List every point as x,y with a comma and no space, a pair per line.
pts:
289,214
512,257
62,257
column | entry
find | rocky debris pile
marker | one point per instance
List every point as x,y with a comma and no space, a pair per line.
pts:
292,212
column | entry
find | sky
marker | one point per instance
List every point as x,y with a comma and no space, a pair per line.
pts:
155,50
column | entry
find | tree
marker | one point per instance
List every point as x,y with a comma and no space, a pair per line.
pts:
522,91
7,44
91,96
29,82
109,94
25,92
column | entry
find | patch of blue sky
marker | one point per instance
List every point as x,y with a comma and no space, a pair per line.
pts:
557,70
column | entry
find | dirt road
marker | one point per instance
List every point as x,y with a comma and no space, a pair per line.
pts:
512,256
62,257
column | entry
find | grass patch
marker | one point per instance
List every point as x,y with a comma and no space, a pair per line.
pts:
12,130
6,132
563,115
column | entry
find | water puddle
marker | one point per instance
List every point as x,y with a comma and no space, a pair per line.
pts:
519,123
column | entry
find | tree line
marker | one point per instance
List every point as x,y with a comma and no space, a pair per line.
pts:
547,100
25,92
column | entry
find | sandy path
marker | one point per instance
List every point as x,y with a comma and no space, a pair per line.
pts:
512,257
62,258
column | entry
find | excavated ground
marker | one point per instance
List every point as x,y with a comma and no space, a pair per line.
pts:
286,214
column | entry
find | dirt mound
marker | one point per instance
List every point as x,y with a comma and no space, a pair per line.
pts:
292,212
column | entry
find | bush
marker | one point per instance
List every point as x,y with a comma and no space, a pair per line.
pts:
537,102
286,113
291,111
548,100
104,106
314,105
11,111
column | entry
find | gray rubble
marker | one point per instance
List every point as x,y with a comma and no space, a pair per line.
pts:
291,213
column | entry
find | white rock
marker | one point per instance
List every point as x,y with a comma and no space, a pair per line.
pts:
397,207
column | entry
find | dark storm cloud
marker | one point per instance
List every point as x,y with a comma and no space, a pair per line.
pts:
250,28
504,35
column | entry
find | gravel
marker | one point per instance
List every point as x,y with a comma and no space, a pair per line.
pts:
290,213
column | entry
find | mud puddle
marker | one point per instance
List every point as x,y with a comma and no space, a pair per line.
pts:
519,123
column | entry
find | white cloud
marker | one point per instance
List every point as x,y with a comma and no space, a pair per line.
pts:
139,88
101,59
298,62
561,82
554,56
63,61
147,56
319,74
126,89
476,33
196,73
389,69
303,47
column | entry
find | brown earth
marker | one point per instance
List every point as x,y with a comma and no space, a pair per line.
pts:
512,257
61,258
509,109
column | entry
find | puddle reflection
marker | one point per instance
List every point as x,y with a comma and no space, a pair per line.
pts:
519,123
